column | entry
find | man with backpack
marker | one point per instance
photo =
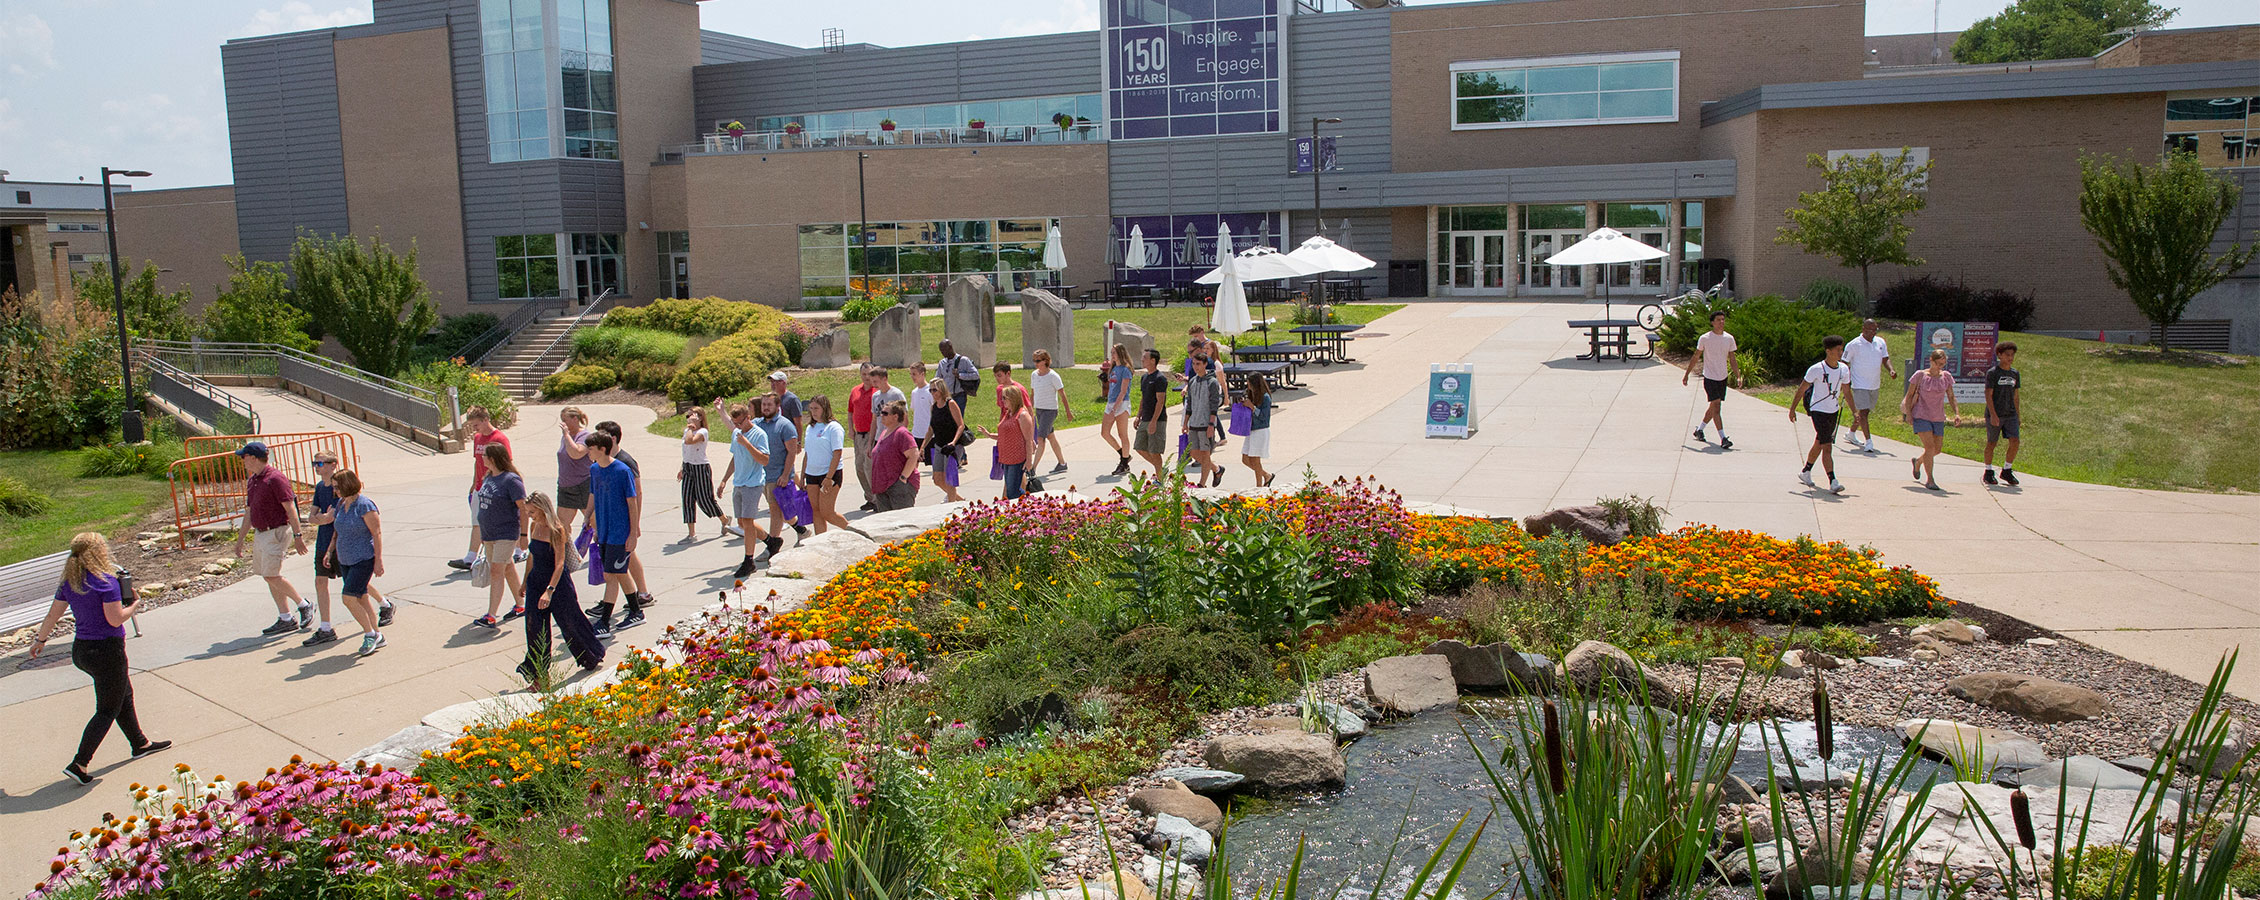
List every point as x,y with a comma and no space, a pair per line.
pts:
1822,394
960,375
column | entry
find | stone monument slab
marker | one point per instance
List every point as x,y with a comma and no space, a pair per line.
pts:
969,318
1046,323
827,351
894,337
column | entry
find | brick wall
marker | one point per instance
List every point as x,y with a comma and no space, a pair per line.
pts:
2174,46
188,230
396,115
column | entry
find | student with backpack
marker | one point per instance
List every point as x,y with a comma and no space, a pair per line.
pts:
960,375
1822,393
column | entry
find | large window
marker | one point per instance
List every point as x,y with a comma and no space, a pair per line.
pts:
1575,90
525,266
549,84
584,57
513,36
1040,114
921,257
2219,130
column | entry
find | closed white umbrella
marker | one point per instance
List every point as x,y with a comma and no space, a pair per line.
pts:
1262,264
1135,258
1605,246
1231,313
1055,252
1330,256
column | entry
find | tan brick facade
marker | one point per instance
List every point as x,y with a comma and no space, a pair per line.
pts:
396,113
2183,45
190,231
651,42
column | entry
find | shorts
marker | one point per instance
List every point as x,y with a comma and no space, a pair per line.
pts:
322,567
1155,441
1931,426
357,577
268,549
1824,427
1714,389
1118,407
573,497
2007,429
1201,439
614,558
1863,399
819,480
1044,420
1257,444
745,500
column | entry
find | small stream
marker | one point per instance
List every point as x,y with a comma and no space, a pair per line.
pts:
1421,774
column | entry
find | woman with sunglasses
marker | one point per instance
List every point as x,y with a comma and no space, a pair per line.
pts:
894,461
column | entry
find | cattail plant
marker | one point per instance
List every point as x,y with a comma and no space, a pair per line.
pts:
1824,720
1557,771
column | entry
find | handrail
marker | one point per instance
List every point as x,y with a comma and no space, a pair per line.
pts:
223,348
570,328
494,338
226,401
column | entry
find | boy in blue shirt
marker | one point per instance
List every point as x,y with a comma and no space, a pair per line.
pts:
617,513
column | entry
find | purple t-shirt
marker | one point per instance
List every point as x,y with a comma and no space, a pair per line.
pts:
572,471
86,607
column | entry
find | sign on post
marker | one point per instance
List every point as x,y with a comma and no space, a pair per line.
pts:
1451,400
1309,159
1969,353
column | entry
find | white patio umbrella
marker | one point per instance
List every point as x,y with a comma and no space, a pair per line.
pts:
1330,256
1055,251
1261,264
1231,313
1603,247
1135,257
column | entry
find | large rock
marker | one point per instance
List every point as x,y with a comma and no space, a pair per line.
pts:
494,710
405,748
1046,323
820,556
1494,665
1203,780
2039,699
1950,631
827,351
1404,685
1132,338
1177,800
1594,664
1279,759
1592,523
894,337
779,594
969,318
1181,839
1958,814
1734,865
903,524
2088,772
1346,725
2236,742
1972,748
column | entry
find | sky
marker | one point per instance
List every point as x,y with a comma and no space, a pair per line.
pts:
136,83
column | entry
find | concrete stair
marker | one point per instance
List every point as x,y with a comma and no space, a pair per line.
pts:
515,361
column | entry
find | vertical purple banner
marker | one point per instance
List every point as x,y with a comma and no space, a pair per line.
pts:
1179,68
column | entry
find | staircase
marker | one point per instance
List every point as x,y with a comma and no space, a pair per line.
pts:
520,362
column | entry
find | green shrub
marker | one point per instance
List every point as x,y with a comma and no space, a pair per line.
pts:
452,334
473,387
640,375
614,344
730,366
866,308
117,460
1928,298
578,380
21,500
1205,661
1777,339
58,373
702,316
1829,293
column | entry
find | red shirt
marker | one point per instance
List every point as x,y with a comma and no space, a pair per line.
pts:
1012,445
1026,400
268,501
859,407
479,457
888,458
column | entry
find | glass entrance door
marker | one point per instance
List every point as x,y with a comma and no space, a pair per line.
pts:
1641,275
1537,276
678,275
1479,262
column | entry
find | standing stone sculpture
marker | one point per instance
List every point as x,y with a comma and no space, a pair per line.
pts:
894,337
969,318
1046,323
826,351
1129,336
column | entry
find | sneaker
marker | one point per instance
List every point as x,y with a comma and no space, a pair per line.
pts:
1918,464
1699,436
869,507
631,620
76,772
518,555
800,530
526,671
769,548
321,636
640,600
2009,477
1122,468
744,568
305,615
284,625
1989,479
1868,446
1807,478
151,747
732,530
1725,444
384,615
371,644
1062,467
1835,487
463,564
515,612
486,622
601,619
1933,486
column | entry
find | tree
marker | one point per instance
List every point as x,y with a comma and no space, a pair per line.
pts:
151,314
1859,216
2054,29
257,308
2156,227
369,297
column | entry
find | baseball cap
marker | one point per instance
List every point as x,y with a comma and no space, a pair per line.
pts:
254,449
776,376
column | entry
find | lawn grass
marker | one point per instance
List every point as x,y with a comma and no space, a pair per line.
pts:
1167,325
81,504
2137,421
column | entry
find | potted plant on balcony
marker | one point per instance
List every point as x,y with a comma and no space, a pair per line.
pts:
886,124
792,128
734,128
977,124
1064,121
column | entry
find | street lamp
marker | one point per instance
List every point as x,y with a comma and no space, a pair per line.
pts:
863,220
129,424
1318,166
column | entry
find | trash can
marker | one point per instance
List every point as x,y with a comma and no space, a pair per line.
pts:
1408,277
1711,270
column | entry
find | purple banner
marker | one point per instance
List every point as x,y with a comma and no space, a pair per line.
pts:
1179,68
1181,248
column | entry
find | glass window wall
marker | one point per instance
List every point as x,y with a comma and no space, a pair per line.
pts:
1635,88
1033,118
921,257
2220,131
525,266
511,34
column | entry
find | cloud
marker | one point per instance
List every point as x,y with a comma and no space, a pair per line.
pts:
30,43
1076,15
298,15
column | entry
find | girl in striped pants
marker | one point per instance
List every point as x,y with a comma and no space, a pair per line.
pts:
697,477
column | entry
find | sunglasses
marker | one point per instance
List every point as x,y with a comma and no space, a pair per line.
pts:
320,464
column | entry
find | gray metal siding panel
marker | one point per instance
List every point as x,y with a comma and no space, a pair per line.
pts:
417,13
1956,88
284,140
715,47
938,73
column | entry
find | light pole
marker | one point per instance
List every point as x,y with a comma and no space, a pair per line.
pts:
129,424
1317,168
863,220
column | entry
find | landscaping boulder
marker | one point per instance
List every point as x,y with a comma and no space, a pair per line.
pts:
1960,824
1494,665
2085,772
493,710
1131,337
819,557
1951,632
1813,775
2237,741
1884,662
405,748
895,341
1817,869
1181,839
1277,723
827,351
1203,780
1971,747
1734,865
1046,323
1593,664
2039,699
904,524
1177,800
1279,759
1732,789
1404,685
1593,523
1346,725
969,318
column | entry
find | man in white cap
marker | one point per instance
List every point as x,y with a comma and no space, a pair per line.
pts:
788,403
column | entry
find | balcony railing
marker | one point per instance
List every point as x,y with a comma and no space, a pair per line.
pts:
863,138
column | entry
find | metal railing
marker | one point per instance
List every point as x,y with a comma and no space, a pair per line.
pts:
208,484
865,138
201,400
564,339
409,404
483,346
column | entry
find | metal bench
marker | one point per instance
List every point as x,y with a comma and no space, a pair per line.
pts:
27,587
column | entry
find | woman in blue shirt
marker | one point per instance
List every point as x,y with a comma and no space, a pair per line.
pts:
1257,446
96,600
1114,426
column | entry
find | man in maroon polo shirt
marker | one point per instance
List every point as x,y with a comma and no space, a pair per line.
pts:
270,519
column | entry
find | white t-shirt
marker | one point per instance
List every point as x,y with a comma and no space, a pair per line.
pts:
1718,354
695,454
821,440
1866,359
1825,384
921,411
1047,385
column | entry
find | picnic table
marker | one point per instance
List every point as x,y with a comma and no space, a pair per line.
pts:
1236,375
1344,288
1294,355
1335,338
1608,338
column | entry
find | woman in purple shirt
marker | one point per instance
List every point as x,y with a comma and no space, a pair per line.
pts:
96,601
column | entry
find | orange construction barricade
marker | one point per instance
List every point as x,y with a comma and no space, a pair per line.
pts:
208,485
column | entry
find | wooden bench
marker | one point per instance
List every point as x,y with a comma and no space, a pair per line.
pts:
27,587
